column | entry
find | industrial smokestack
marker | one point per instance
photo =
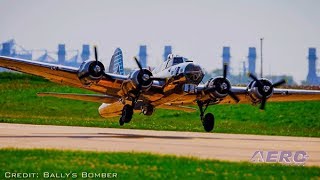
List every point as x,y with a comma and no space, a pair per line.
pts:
85,54
61,53
226,57
252,56
143,55
167,51
312,75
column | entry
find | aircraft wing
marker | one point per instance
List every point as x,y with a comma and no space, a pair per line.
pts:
279,95
51,72
62,74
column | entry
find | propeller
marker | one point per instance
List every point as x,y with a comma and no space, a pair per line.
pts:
96,54
232,95
147,77
138,63
98,66
265,88
223,85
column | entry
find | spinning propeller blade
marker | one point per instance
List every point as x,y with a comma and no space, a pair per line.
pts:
261,86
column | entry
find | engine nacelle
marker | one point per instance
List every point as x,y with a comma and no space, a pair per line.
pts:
257,93
218,87
91,72
142,78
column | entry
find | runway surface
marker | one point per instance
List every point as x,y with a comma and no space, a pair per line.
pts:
231,147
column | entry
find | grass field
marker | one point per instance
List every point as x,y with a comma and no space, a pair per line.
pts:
20,104
141,165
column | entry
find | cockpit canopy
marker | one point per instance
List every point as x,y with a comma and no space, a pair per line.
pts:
171,61
174,60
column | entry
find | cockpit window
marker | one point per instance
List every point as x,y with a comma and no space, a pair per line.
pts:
177,60
169,63
174,61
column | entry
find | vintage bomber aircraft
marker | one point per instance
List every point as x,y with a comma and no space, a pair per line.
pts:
173,85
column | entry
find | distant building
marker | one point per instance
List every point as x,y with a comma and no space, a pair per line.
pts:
312,78
167,50
143,55
61,53
226,57
85,54
252,56
62,56
11,49
46,58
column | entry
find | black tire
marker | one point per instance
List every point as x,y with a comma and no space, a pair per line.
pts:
148,110
121,122
127,113
208,122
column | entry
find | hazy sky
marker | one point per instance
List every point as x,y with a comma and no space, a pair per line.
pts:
197,29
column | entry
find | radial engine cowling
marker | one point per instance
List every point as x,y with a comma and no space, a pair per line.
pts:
142,79
218,87
91,72
257,92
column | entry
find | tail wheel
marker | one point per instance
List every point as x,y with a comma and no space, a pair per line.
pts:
127,113
148,110
208,122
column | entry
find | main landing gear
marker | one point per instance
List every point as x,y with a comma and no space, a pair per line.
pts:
208,119
126,116
127,112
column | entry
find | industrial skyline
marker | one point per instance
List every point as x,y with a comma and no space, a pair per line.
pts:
196,29
62,56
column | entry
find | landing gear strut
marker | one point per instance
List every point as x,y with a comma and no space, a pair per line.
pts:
208,119
126,115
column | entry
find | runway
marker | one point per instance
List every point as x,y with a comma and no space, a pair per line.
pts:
230,147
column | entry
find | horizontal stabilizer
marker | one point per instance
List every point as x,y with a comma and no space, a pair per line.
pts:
82,97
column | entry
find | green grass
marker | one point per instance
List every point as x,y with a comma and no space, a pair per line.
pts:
142,165
20,104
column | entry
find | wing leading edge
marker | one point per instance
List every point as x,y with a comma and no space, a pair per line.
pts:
63,74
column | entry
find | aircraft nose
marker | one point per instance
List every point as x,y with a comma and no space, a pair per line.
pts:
193,73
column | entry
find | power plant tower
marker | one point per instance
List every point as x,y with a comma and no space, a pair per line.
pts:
85,54
252,56
143,55
7,48
226,57
312,78
244,68
61,53
166,52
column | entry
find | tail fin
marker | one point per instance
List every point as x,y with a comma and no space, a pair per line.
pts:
116,63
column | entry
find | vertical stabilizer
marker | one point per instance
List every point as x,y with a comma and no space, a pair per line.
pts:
116,63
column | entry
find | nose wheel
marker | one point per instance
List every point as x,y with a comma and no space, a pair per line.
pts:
126,116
